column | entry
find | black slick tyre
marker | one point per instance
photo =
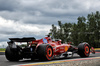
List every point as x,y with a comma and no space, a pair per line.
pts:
45,52
10,55
84,49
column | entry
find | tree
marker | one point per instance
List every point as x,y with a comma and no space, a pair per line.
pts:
62,32
74,34
86,30
78,31
93,28
53,31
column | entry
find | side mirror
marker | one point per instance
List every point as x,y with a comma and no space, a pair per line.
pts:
92,50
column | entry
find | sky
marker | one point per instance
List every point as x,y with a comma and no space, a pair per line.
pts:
33,18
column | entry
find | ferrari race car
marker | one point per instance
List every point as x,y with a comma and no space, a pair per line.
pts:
43,49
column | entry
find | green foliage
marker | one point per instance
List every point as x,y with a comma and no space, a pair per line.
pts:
62,32
2,49
85,30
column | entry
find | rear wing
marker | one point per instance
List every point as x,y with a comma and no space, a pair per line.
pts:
24,39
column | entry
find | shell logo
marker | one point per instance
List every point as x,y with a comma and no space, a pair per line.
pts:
66,48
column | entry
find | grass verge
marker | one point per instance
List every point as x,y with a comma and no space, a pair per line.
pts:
2,49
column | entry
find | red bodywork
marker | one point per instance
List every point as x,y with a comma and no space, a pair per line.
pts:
44,49
57,46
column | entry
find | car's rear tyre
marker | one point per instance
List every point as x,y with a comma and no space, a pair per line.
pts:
11,55
45,52
84,49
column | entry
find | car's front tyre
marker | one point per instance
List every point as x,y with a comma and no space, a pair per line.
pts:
84,49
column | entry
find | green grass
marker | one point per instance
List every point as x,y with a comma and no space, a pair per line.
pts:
2,49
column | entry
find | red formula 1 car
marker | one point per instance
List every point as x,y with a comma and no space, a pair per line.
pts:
43,49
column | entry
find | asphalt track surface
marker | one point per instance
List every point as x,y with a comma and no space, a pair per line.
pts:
5,62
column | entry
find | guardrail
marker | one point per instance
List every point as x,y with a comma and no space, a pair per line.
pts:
2,51
94,49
